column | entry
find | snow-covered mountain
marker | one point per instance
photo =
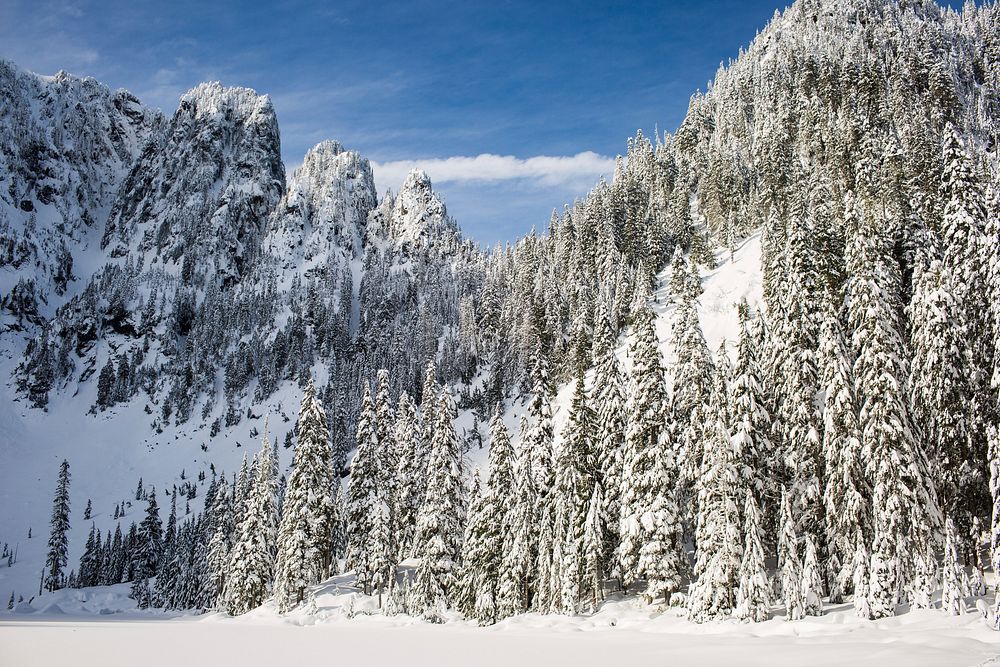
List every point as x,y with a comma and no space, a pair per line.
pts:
66,146
827,164
152,267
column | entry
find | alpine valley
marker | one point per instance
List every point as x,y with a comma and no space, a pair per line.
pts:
747,389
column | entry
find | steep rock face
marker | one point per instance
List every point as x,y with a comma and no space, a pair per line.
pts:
198,197
325,209
418,214
66,144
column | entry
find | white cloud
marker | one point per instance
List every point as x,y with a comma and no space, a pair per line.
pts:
579,171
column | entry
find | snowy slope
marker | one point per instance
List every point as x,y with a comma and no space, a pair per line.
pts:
736,277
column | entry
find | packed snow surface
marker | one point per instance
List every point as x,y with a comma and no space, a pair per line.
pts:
81,626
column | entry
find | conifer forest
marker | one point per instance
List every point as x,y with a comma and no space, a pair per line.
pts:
747,388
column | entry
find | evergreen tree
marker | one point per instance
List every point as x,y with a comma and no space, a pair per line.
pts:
410,472
592,553
812,582
925,579
88,561
56,558
304,549
789,566
994,440
750,418
862,578
117,563
903,500
692,382
520,547
538,437
365,492
487,529
477,582
952,596
964,229
576,469
846,490
251,559
719,547
220,544
938,390
753,596
609,405
649,516
148,549
439,523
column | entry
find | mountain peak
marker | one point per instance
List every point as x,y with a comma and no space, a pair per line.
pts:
419,213
212,98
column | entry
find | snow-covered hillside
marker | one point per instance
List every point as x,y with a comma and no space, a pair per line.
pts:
744,393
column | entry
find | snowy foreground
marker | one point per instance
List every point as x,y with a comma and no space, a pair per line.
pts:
77,627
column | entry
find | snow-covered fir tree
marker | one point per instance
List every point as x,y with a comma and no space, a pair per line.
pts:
576,475
994,449
751,422
608,399
718,535
477,582
220,543
304,552
754,594
952,595
520,546
437,544
789,565
649,524
846,494
811,587
251,559
903,500
411,473
53,576
366,491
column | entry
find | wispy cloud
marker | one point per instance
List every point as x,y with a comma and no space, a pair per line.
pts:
577,171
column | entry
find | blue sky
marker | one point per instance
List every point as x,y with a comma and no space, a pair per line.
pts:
414,81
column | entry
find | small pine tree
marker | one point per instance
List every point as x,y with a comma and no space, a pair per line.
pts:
56,559
812,583
925,579
148,548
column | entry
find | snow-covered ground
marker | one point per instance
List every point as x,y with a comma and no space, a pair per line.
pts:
81,627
